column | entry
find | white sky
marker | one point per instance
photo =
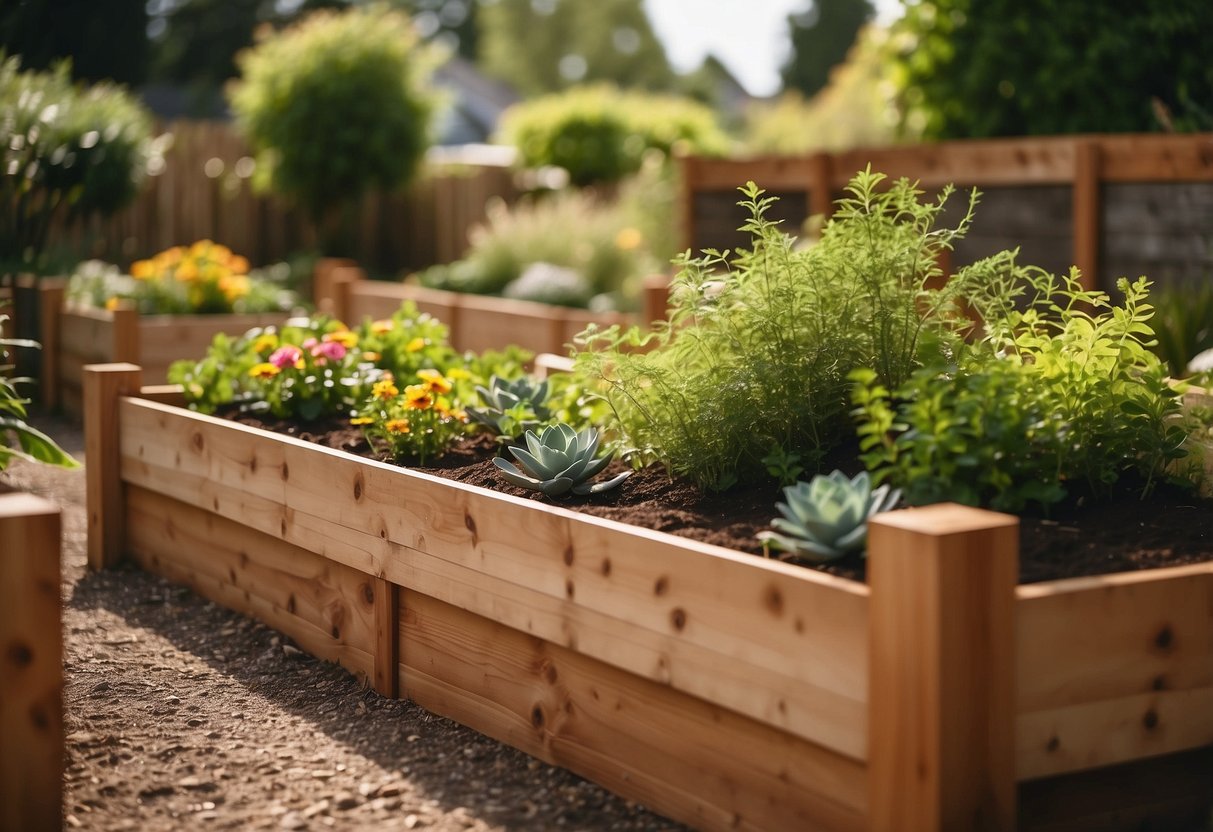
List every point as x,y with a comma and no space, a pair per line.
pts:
748,36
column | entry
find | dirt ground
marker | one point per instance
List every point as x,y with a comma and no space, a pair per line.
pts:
179,714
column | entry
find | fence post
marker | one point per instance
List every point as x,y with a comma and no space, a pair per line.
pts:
941,726
31,666
821,195
126,334
1086,202
387,638
103,385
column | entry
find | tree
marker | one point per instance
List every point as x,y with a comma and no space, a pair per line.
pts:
105,41
821,37
1025,67
543,46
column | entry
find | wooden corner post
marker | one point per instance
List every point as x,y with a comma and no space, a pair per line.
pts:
126,333
941,726
31,665
103,385
50,309
387,638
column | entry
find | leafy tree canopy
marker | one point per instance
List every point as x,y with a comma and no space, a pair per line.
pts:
821,37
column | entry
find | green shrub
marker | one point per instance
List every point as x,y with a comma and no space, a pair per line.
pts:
600,134
1056,399
65,152
569,229
336,106
758,347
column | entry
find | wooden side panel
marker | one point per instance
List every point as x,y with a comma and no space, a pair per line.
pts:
377,299
494,323
86,336
784,645
31,665
678,755
1132,677
328,608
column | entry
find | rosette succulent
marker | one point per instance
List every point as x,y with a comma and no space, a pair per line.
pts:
511,406
559,461
827,517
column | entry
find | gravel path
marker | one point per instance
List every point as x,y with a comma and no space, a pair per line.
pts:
182,715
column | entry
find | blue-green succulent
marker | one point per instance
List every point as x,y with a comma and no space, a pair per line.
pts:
827,517
559,461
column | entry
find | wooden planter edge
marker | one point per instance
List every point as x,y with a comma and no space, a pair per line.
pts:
424,595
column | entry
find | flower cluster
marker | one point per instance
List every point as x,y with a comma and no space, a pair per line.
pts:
307,371
420,421
203,278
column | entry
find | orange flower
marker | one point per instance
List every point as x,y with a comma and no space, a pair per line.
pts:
143,269
397,425
381,327
343,337
385,389
264,370
434,380
418,397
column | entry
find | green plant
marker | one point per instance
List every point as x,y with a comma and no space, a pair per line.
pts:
420,422
65,152
1062,394
558,461
600,134
758,345
1183,325
18,438
826,518
335,106
783,465
511,406
204,278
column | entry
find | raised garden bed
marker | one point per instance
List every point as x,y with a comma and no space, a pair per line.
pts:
723,690
31,665
476,322
73,336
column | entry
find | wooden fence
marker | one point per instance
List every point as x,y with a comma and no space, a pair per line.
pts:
204,190
1114,205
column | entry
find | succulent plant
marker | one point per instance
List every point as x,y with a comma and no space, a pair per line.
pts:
511,406
826,518
558,461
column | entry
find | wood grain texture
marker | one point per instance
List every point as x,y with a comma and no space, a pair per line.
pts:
1137,683
103,385
676,754
31,674
780,644
942,753
1086,204
329,609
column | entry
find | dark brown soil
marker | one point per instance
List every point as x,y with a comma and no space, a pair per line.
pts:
1170,527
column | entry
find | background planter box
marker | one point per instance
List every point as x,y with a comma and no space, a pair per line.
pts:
31,665
476,322
73,336
723,690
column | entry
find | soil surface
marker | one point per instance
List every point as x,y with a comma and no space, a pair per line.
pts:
179,714
1169,527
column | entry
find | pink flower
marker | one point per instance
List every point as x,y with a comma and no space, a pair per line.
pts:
287,356
332,350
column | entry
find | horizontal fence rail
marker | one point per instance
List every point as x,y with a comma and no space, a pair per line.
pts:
1114,205
204,191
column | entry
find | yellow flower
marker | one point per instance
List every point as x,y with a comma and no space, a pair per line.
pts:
112,303
370,355
343,337
264,370
418,397
200,248
415,345
143,269
187,271
628,239
265,342
458,373
381,327
385,389
361,420
238,264
397,425
434,380
234,286
450,412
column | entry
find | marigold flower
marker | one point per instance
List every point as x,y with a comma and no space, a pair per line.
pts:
385,389
361,420
628,239
286,356
434,380
187,271
265,342
143,269
418,397
415,345
381,327
238,264
370,355
397,425
343,337
112,303
264,370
